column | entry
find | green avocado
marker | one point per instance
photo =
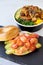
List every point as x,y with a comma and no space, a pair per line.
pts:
17,14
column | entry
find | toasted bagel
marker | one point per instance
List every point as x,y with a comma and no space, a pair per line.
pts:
8,32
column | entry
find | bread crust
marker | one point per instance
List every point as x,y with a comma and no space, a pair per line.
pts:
8,32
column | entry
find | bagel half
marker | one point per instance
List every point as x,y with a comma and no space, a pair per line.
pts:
8,32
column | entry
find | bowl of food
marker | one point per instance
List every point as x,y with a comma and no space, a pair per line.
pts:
29,18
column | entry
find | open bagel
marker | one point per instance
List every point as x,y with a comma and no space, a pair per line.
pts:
8,32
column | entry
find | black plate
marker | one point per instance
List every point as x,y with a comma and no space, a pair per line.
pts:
34,58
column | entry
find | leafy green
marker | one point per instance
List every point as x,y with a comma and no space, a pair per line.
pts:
25,22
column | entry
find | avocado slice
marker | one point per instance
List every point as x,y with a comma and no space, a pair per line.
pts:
38,45
17,14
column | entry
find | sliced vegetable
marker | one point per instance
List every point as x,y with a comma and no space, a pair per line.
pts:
10,51
38,45
17,14
7,46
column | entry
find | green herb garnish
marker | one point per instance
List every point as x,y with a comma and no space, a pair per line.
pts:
25,22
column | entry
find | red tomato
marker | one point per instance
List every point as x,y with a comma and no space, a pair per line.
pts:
33,40
14,46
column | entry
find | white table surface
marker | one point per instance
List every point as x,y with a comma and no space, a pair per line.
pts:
7,10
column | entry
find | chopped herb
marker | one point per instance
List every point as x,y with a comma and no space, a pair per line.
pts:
25,22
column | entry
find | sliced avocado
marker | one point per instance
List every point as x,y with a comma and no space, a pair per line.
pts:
17,14
10,51
7,46
38,45
6,42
